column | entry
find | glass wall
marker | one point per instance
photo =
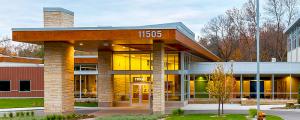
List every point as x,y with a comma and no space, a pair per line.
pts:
85,67
171,61
140,61
121,87
143,61
120,61
85,86
125,85
126,61
200,84
172,87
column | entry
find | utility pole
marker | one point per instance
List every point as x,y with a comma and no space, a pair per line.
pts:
257,59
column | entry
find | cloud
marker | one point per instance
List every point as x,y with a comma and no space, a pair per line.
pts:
194,13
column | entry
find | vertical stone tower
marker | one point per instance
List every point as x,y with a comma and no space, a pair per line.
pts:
58,65
58,17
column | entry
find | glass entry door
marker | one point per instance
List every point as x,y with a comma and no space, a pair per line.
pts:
140,94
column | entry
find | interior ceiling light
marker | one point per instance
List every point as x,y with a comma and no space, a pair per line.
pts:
105,44
81,44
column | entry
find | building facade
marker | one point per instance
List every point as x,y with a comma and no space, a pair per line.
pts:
153,65
133,63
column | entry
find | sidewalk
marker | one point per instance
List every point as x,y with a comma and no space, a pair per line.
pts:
234,107
227,107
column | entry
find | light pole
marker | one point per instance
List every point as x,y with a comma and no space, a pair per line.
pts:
257,59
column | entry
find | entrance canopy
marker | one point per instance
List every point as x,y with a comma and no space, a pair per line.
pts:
176,36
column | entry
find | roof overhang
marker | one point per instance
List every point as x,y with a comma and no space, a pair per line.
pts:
292,26
176,37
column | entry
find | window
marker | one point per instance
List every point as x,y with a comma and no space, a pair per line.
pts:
171,61
88,67
5,85
24,85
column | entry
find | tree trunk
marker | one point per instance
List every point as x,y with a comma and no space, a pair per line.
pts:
219,102
222,106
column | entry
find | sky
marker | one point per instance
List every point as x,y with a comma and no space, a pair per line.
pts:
91,13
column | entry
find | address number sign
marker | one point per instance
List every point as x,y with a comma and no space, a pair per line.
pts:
150,34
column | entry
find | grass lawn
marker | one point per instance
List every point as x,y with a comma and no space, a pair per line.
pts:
272,117
21,103
33,102
86,104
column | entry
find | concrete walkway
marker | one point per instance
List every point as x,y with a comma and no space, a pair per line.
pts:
227,107
287,114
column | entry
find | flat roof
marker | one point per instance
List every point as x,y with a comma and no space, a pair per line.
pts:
292,25
176,25
176,36
247,68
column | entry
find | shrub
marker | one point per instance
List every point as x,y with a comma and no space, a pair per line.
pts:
4,115
69,116
178,112
60,117
22,114
50,117
290,105
32,113
18,114
27,114
252,112
11,115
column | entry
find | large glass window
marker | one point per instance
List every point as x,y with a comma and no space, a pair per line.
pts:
85,67
77,85
200,87
171,61
140,61
135,61
121,87
120,61
85,86
5,85
88,86
24,85
88,67
172,87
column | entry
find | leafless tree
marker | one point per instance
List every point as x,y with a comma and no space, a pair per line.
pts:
291,7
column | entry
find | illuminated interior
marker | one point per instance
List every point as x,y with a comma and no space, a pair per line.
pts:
85,86
143,61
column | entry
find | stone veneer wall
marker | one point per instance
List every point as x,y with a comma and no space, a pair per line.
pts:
58,18
59,77
158,78
105,82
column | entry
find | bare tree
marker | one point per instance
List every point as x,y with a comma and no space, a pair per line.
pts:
291,7
6,46
222,36
276,11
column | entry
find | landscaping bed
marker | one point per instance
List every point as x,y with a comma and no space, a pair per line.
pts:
29,115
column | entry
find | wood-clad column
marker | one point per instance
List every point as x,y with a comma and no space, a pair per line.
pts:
105,82
58,77
158,78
